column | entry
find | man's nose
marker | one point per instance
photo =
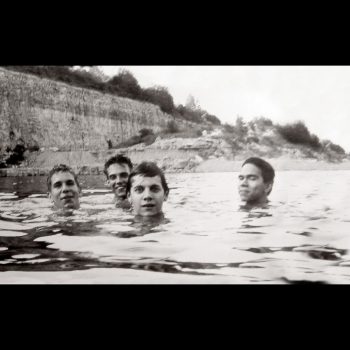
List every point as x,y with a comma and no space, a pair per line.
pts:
243,182
147,195
119,180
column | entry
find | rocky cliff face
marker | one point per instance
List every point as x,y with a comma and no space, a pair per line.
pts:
45,114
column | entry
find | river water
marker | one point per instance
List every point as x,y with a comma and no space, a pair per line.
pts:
205,237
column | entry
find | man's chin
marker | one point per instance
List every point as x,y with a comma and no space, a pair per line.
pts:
70,206
119,192
119,198
149,212
244,198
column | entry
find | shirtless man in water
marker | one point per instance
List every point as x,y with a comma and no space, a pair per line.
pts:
255,182
63,188
117,170
147,189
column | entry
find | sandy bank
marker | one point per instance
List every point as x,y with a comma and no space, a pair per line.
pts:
172,161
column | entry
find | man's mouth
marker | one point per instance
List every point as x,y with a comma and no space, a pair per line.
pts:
147,206
67,198
119,188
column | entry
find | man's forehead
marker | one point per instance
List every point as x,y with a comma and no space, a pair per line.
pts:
138,180
118,168
250,169
62,176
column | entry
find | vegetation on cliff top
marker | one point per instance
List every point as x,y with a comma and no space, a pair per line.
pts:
260,136
124,84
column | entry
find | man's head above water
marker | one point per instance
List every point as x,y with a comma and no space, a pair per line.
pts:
117,170
63,187
147,189
255,181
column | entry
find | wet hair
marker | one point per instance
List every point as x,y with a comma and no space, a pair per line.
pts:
64,169
267,171
148,169
118,159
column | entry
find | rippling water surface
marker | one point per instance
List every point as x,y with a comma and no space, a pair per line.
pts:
205,237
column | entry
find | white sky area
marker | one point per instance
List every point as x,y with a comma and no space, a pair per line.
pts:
318,95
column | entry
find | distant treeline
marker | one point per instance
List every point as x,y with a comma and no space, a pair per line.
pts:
124,84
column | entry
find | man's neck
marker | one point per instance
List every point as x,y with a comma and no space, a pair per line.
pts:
256,203
120,202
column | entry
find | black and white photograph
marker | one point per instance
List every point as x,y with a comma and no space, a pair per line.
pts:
174,174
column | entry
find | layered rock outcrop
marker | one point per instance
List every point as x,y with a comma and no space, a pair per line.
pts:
45,114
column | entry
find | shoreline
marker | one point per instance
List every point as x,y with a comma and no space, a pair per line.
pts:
207,166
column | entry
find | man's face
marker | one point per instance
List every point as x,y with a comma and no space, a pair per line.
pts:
251,186
118,175
147,195
64,191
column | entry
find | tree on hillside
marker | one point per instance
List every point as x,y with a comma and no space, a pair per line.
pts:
241,127
229,128
260,124
212,119
191,103
160,96
125,84
298,133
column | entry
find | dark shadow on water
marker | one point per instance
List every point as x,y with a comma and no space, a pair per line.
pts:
302,282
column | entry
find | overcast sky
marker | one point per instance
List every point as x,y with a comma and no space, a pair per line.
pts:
318,95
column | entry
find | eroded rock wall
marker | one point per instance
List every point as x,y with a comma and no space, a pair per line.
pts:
46,114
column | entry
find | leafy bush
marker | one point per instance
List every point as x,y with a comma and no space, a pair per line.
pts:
328,145
172,127
260,123
161,97
298,133
146,136
229,128
336,148
189,114
134,140
149,139
145,132
241,128
125,84
213,119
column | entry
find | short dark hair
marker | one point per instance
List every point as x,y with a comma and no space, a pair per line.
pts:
267,171
64,169
118,159
148,169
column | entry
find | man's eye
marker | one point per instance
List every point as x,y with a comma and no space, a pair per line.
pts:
57,184
138,189
112,177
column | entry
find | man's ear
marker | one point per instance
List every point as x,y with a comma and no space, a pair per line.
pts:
268,188
166,196
49,196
